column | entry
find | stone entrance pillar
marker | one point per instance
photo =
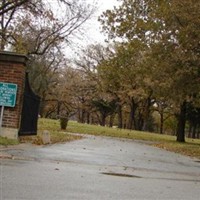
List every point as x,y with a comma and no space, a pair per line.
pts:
12,70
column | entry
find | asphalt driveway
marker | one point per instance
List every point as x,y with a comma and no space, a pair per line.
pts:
97,168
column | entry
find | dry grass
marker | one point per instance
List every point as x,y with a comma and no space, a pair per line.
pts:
190,148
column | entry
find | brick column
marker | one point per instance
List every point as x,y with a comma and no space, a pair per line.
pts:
12,70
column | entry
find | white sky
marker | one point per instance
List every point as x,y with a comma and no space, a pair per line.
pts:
93,25
92,33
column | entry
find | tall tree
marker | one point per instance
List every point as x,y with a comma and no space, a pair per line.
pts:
170,29
89,61
178,49
123,77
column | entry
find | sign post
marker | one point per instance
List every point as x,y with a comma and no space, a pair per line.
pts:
1,118
8,93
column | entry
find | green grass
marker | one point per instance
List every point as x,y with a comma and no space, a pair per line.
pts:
75,127
56,134
6,141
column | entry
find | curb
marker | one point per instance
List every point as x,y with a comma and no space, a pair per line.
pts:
4,155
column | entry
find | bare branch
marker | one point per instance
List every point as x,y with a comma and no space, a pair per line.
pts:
10,5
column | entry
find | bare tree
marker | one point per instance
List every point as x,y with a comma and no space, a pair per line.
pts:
34,27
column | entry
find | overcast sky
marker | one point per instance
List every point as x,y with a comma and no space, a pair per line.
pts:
91,33
93,25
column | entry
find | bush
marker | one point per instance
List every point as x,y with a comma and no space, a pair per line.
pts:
63,123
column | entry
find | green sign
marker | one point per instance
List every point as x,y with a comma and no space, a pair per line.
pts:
8,93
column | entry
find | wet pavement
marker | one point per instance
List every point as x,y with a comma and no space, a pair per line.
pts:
97,168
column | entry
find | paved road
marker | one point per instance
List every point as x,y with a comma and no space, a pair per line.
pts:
98,168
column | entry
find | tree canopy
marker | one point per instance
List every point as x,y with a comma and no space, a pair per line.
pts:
170,31
149,69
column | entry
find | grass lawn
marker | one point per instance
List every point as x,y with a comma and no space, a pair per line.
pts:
57,135
190,148
5,141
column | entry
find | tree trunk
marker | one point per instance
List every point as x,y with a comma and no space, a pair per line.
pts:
131,119
140,122
3,31
198,132
120,119
146,115
133,108
88,118
194,130
181,123
190,130
103,120
41,108
82,120
161,122
58,108
111,120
